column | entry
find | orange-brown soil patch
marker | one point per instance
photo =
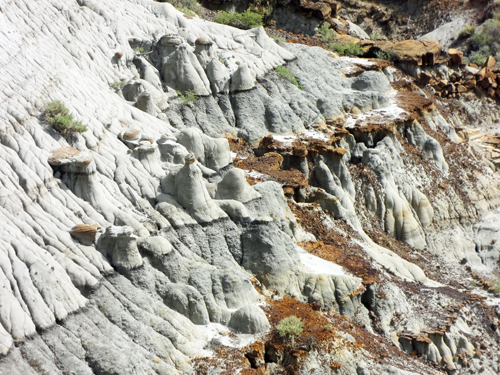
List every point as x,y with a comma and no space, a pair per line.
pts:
334,247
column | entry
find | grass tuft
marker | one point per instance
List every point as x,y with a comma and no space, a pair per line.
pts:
288,75
61,120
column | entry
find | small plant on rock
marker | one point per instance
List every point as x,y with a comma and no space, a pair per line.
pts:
187,97
290,327
59,117
288,75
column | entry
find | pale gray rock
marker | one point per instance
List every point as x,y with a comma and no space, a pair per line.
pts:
235,186
249,319
191,193
448,32
120,243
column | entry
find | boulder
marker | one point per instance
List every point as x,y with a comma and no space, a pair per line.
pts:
490,62
120,244
414,52
85,233
456,56
249,319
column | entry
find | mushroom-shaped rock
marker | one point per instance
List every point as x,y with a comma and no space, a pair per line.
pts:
134,137
203,41
70,159
85,233
249,319
192,194
149,156
235,186
204,51
170,40
121,243
242,78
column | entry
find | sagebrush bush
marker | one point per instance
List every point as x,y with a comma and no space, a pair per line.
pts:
288,75
290,327
59,117
245,20
328,35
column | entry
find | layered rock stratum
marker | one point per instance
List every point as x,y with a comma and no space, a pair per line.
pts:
173,235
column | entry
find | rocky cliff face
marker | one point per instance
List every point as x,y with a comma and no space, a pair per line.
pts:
151,244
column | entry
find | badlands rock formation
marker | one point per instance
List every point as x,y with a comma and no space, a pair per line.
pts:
137,247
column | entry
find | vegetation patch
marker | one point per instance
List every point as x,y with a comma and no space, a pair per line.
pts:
288,75
348,49
139,50
187,97
61,120
484,41
190,7
117,85
328,35
245,20
389,56
290,327
467,31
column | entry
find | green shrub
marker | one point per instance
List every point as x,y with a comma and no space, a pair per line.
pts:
476,57
390,56
190,7
288,75
328,35
245,20
187,97
290,327
139,50
382,55
59,117
467,31
349,49
117,85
